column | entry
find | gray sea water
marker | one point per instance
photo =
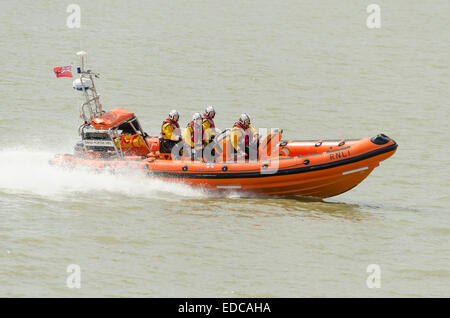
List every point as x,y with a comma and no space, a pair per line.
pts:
313,68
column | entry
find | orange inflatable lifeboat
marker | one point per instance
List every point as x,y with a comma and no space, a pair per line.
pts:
311,168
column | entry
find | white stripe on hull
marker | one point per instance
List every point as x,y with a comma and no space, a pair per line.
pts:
353,171
229,187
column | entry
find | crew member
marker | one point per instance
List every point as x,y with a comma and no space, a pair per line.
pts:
208,123
170,132
243,135
195,137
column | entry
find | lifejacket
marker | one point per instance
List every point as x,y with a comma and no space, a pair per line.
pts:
127,141
197,133
245,131
211,122
176,130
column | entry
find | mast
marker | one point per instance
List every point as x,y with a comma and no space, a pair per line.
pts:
91,108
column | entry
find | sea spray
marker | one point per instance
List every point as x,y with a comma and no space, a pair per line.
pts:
28,171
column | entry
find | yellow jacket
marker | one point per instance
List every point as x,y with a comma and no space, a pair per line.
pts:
170,132
128,141
210,132
187,136
237,133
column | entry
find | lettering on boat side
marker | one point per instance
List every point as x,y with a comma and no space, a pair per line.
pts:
226,307
98,143
340,155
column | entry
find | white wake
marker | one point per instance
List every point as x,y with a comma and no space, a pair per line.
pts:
28,171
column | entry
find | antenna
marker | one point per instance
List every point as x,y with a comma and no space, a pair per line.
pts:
82,54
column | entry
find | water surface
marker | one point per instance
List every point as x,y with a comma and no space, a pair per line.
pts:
311,68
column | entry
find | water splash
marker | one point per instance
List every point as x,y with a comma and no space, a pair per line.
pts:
27,171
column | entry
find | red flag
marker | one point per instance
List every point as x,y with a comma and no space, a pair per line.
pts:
63,71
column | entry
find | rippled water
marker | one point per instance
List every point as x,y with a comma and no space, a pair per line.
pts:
312,68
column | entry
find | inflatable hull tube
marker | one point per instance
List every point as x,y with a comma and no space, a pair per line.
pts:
311,169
